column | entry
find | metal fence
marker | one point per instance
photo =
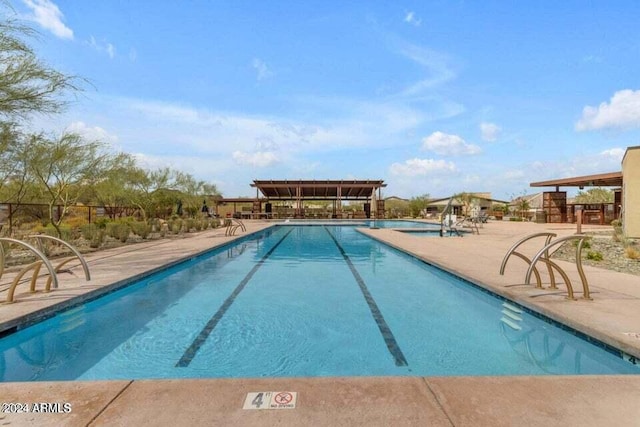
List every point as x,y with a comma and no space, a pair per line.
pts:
14,214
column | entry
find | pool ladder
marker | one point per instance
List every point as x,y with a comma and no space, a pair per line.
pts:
232,228
543,256
41,259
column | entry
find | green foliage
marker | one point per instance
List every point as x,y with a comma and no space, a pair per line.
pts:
141,228
586,244
94,234
118,230
397,208
418,205
175,226
595,195
521,205
516,219
101,222
595,256
27,85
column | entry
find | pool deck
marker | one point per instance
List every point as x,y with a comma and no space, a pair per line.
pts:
612,317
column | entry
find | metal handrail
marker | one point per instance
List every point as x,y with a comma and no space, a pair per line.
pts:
34,277
77,254
45,261
512,251
539,256
232,228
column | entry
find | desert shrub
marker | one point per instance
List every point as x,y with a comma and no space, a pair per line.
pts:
75,222
118,230
585,245
594,256
175,226
632,253
189,224
66,233
155,224
514,218
101,222
88,231
140,228
197,225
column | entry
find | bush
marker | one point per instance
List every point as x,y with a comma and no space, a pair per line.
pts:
141,228
175,226
632,253
515,218
594,256
585,245
88,231
66,233
75,222
118,231
101,222
190,224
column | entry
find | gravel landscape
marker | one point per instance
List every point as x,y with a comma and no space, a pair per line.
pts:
612,251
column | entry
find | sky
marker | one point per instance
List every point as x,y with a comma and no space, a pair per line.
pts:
433,97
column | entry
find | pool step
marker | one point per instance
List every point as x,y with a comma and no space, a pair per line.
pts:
510,323
511,316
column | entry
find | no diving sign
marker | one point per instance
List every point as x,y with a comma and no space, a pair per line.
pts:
270,400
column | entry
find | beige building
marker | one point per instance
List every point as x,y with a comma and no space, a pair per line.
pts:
631,192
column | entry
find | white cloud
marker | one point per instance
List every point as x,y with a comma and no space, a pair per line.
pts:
105,46
263,72
259,159
49,16
615,154
490,131
622,111
94,133
422,167
448,145
411,18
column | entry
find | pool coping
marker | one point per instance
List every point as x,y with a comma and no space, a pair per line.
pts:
595,335
15,324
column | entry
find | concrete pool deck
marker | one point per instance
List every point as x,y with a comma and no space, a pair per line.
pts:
612,317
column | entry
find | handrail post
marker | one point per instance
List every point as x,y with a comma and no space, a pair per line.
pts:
78,255
512,251
45,260
585,284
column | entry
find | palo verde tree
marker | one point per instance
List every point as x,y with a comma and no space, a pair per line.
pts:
27,85
418,205
62,167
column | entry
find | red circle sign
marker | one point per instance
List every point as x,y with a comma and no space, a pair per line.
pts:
283,398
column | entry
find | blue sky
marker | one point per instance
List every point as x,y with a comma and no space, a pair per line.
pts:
433,97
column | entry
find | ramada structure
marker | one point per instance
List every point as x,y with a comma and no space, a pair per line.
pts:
279,193
626,205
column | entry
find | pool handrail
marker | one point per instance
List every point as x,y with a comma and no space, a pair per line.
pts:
232,228
39,254
512,251
539,256
76,253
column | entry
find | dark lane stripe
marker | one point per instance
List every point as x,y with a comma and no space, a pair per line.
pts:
190,353
389,339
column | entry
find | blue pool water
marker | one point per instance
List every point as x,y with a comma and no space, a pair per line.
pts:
298,301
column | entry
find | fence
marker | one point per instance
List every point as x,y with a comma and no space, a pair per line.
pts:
13,214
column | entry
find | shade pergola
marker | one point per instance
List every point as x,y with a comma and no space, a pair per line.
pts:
611,179
555,203
333,190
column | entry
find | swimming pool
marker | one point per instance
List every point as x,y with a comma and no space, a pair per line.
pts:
298,301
